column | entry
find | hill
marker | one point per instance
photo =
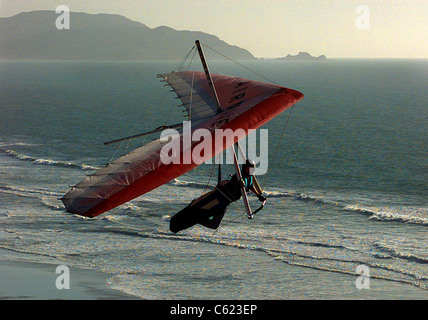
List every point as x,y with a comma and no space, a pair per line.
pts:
34,36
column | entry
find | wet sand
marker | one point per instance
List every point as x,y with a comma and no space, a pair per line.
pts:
21,280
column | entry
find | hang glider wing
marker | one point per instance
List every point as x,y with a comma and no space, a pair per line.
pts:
245,104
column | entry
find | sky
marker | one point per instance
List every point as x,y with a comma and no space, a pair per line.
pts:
275,28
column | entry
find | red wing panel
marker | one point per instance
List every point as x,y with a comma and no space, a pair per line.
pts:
246,105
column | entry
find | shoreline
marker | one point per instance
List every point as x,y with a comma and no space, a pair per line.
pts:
22,278
25,280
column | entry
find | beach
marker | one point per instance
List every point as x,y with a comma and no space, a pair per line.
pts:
346,187
22,278
26,280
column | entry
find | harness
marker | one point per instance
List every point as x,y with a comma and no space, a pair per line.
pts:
230,191
248,184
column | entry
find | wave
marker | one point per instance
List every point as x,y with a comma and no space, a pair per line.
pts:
405,214
393,252
398,214
47,161
9,143
299,196
300,254
113,218
52,203
30,193
412,215
286,248
47,197
183,183
270,194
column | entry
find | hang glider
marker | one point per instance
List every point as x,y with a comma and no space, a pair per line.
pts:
212,102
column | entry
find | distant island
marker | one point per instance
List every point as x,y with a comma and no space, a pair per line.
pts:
34,36
303,56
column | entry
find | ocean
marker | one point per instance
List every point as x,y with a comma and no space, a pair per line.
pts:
347,184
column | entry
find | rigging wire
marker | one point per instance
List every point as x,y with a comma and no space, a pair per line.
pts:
226,223
267,79
282,133
154,110
209,181
272,159
240,64
154,113
183,61
178,68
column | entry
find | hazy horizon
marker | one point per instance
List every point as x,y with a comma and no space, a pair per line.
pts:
275,28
